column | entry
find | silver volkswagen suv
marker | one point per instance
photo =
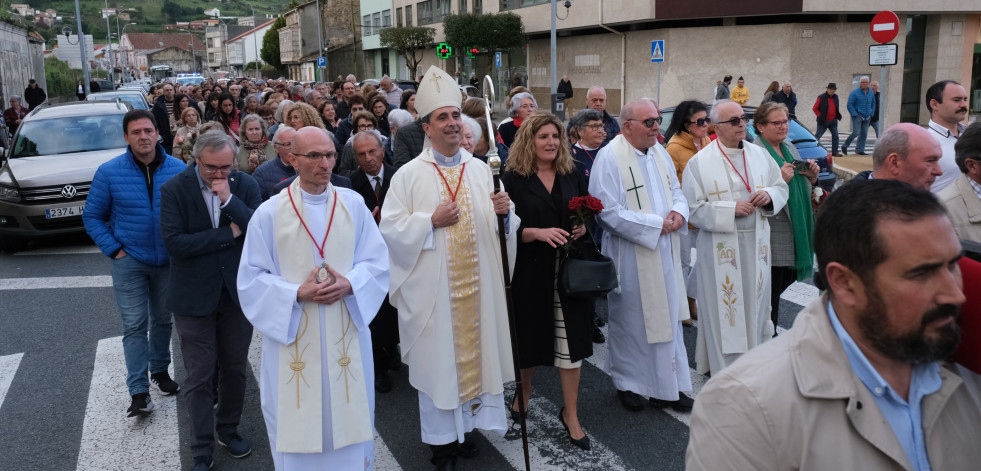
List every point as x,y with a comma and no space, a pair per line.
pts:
46,172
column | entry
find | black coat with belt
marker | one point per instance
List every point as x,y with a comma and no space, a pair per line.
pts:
384,327
203,258
533,283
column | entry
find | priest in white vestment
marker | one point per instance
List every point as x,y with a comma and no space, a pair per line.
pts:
732,188
440,222
313,274
643,212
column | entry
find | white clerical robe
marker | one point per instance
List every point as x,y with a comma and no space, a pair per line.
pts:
713,210
269,302
658,370
420,290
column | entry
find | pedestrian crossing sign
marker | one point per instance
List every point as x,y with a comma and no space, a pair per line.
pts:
657,51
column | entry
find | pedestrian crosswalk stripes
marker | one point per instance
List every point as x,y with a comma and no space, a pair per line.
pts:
113,441
56,282
8,368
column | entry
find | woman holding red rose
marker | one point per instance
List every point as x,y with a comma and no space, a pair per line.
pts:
553,330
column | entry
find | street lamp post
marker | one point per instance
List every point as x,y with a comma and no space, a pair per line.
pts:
112,63
81,49
120,34
255,43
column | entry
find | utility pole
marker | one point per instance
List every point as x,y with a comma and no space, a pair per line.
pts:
255,42
112,63
81,49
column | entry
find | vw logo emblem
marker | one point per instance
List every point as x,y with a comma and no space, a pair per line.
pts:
69,191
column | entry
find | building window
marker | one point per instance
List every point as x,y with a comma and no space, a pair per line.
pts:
366,25
478,7
425,10
463,7
512,4
387,19
408,15
398,17
443,9
376,19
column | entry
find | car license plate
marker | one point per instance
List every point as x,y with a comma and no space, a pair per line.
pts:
52,213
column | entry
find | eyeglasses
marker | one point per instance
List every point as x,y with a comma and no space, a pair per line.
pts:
734,121
283,144
649,122
595,127
211,169
317,156
365,127
701,122
780,124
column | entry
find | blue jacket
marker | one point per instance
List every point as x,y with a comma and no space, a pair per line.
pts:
119,212
861,103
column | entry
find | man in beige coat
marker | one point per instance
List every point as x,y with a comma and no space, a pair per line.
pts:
963,197
858,382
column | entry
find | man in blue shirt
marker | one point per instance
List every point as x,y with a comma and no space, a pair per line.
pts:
860,381
861,105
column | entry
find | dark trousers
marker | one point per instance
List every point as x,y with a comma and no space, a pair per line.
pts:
384,336
222,339
781,278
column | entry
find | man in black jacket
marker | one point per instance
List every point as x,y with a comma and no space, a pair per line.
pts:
204,213
34,95
788,98
828,114
371,180
163,108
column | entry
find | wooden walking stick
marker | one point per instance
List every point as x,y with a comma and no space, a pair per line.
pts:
494,161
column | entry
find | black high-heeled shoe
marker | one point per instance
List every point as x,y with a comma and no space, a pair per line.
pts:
582,442
516,415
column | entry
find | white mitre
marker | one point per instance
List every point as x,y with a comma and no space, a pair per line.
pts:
437,89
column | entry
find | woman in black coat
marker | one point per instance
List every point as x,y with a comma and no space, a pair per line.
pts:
552,330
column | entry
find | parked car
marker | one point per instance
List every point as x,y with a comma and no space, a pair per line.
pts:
189,79
135,98
104,84
471,91
46,173
803,139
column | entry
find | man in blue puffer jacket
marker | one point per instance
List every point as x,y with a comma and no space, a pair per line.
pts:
122,215
861,105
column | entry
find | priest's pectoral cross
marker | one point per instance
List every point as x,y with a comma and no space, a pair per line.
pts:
718,193
436,78
635,188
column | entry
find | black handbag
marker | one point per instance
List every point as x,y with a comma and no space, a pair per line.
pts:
592,277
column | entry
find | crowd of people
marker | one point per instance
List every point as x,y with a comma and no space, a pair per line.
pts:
362,229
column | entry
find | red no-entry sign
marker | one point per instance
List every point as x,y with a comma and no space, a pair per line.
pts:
884,27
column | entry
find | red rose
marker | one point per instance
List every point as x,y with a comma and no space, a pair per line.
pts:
594,204
576,203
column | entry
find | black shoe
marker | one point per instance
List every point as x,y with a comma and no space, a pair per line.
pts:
861,153
582,442
515,414
446,463
235,445
631,401
383,383
844,150
467,449
202,463
141,405
683,404
163,382
598,336
836,154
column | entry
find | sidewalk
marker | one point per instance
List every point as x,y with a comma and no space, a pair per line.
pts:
847,166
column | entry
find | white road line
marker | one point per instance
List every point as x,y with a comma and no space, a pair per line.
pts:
56,282
384,459
110,439
8,368
78,250
548,443
801,294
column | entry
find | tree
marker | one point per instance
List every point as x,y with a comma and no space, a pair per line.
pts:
270,44
406,40
488,31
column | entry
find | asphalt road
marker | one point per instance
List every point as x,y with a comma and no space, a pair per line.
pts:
63,397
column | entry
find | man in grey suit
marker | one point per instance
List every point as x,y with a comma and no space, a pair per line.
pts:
204,213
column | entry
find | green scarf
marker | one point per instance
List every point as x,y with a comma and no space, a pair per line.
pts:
801,214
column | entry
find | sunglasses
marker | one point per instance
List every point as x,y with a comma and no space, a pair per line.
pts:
735,120
701,122
649,122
